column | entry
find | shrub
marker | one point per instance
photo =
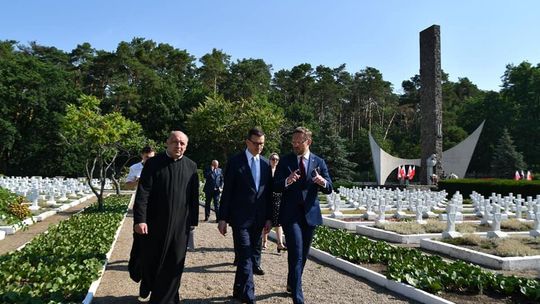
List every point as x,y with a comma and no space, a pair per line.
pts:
12,209
487,186
19,210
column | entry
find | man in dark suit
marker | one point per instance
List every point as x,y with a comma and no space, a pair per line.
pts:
212,188
300,175
246,205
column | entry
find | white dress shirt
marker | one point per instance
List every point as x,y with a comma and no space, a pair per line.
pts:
134,172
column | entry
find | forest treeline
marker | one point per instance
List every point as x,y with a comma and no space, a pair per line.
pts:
215,100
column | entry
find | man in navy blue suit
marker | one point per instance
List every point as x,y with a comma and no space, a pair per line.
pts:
212,188
246,205
299,176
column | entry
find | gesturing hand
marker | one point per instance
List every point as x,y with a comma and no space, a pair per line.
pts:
318,179
293,177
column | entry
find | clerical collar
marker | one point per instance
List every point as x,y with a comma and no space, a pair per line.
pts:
249,155
174,159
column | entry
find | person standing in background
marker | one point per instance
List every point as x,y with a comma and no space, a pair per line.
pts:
136,169
276,201
212,188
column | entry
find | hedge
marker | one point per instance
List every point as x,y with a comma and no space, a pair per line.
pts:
486,186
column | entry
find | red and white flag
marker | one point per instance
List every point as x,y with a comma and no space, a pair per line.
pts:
403,173
517,176
411,172
529,175
399,173
522,175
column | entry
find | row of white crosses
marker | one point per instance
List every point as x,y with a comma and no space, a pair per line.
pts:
508,204
490,210
376,201
51,190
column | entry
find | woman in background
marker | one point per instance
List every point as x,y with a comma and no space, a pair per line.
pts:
276,200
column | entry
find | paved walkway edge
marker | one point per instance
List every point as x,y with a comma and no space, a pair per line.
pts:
94,286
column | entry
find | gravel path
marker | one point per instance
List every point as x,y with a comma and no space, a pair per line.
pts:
209,274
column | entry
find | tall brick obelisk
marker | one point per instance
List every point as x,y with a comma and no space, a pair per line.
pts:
430,99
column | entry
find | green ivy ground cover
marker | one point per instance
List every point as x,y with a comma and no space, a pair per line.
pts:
59,266
429,273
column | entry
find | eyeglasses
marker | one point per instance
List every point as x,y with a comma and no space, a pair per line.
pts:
256,143
273,158
298,142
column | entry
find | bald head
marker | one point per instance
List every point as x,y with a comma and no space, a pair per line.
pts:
177,144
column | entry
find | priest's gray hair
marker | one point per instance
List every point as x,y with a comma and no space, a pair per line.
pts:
173,132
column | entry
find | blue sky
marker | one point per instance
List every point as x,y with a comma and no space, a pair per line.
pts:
479,38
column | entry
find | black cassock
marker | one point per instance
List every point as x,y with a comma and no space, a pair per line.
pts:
167,200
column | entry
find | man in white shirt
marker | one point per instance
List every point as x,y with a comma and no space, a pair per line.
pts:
135,170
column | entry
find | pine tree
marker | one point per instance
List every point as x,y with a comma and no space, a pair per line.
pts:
506,159
331,146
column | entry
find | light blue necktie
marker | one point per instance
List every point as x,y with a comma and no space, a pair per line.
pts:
254,173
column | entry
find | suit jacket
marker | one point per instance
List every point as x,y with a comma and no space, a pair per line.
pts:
241,205
213,180
294,194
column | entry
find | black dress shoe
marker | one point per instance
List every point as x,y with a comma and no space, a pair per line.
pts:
289,289
258,270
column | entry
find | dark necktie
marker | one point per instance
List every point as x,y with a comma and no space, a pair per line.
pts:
302,169
302,180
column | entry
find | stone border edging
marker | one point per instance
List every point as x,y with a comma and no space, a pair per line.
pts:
340,224
485,259
394,237
397,287
94,286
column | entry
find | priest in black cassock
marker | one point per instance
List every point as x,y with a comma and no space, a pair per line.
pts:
166,207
